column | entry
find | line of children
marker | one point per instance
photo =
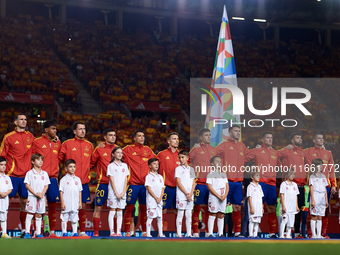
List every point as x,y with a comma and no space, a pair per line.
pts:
5,189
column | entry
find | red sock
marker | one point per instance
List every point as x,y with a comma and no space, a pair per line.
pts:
143,217
206,218
272,222
196,218
324,225
96,222
23,219
237,221
127,217
82,220
52,215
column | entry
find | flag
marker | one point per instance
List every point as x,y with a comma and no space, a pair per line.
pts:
224,73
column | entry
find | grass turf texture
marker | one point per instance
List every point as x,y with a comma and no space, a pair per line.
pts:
170,246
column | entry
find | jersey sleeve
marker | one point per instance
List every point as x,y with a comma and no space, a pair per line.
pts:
147,181
249,193
163,185
94,158
160,171
10,184
47,179
177,173
297,189
282,188
4,148
80,186
127,173
27,178
331,171
62,153
250,155
62,184
209,180
283,153
311,181
109,170
262,195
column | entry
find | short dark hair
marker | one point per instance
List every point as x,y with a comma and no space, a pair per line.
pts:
151,160
232,127
2,159
138,131
183,152
17,116
75,125
50,123
202,131
170,134
69,161
294,134
36,156
266,133
108,130
213,158
317,161
316,134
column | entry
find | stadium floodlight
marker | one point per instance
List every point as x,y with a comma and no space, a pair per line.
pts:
164,123
318,0
260,20
238,18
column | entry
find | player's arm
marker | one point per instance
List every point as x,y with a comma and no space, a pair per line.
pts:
326,197
192,189
161,197
44,191
311,191
181,187
331,174
62,153
63,207
125,187
213,192
112,183
80,201
250,201
28,187
226,190
283,153
250,155
152,193
94,158
5,194
282,199
4,148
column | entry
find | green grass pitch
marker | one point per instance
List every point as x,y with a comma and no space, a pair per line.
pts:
167,247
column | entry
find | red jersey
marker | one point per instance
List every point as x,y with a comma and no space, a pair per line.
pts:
266,159
102,158
80,151
136,156
200,158
168,161
295,158
233,157
327,159
50,151
16,149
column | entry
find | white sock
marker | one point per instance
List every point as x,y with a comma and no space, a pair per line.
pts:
282,226
38,225
74,227
111,222
289,232
211,222
28,221
64,227
188,221
312,226
251,229
256,229
318,227
220,223
160,226
4,227
179,219
148,226
119,221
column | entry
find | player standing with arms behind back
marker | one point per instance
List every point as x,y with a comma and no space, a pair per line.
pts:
102,157
318,196
80,150
16,149
184,175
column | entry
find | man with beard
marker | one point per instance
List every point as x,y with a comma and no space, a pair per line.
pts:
136,156
168,161
268,159
101,157
49,146
200,160
318,151
295,158
16,149
79,150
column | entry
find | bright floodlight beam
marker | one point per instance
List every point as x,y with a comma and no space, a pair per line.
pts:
238,18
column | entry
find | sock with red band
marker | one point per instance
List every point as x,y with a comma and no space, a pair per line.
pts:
96,222
143,217
82,220
195,218
272,222
52,215
237,221
127,217
23,220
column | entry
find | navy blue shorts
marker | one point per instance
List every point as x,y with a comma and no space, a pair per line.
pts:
134,192
52,193
269,192
18,187
201,194
85,194
235,195
101,194
169,198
